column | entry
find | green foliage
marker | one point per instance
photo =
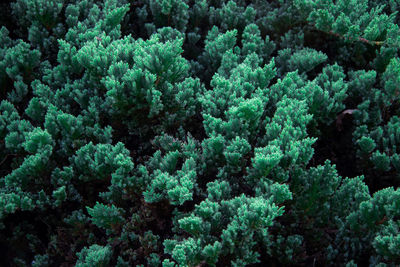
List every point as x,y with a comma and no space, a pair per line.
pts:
216,44
353,20
378,123
106,217
20,63
102,161
168,180
231,15
305,60
94,255
226,229
199,133
365,228
169,13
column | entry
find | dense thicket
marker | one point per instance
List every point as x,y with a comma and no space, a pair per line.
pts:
199,133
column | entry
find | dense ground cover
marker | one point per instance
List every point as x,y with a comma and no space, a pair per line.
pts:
199,133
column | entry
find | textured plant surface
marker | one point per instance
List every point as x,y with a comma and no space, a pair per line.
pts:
199,133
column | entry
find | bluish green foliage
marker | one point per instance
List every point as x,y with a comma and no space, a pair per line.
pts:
354,20
95,255
168,180
199,133
106,217
228,228
377,134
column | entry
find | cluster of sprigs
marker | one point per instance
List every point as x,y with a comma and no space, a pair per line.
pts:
183,133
